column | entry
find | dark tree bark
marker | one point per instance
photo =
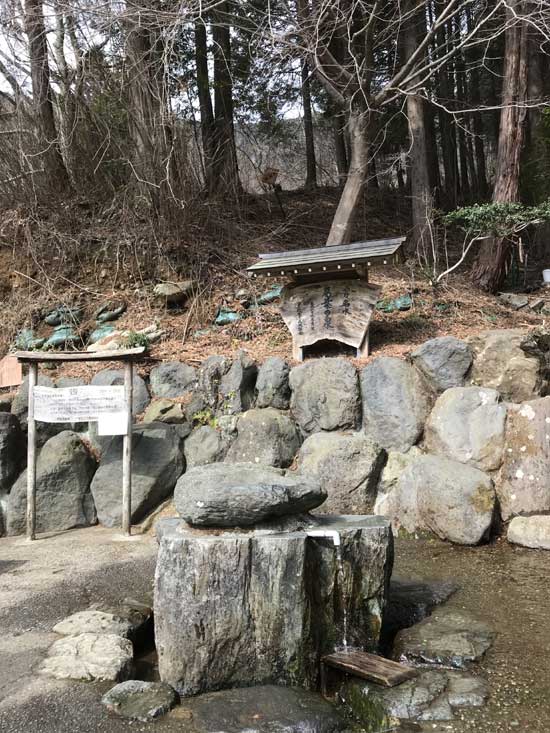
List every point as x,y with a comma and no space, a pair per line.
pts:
225,162
208,133
42,96
490,267
340,150
311,164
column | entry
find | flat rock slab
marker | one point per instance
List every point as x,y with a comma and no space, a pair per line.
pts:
241,494
89,657
127,621
530,532
143,701
448,638
266,709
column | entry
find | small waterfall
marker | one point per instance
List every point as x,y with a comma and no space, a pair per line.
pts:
335,537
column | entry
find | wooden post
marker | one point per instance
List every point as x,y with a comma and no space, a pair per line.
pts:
31,455
127,453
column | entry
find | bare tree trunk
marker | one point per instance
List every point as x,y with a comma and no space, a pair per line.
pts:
421,194
490,267
205,103
226,168
350,200
311,164
340,152
42,95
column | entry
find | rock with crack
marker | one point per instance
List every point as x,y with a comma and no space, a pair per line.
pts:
272,387
237,386
448,638
261,710
205,445
157,463
64,471
445,361
129,620
347,465
523,482
172,379
242,494
387,503
89,657
467,424
454,501
325,395
504,361
143,701
268,437
396,403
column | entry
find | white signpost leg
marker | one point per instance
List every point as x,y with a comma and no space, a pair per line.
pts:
31,456
127,453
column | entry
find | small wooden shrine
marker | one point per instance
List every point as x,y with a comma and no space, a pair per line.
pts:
329,297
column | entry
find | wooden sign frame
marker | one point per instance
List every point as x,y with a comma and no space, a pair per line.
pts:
34,359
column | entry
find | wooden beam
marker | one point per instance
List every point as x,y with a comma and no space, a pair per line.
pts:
30,357
127,453
370,667
31,455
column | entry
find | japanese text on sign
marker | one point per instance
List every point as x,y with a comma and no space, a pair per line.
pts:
77,404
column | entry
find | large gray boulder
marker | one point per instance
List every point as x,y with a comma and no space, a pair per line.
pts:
237,386
502,363
530,532
325,395
268,437
396,403
241,494
112,377
347,465
20,403
274,599
454,501
523,482
12,449
209,377
388,500
445,361
157,463
272,387
64,470
467,425
283,710
205,445
172,379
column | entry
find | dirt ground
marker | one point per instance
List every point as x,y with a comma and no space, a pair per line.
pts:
44,581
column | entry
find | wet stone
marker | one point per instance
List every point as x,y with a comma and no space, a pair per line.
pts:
143,701
466,691
448,638
265,709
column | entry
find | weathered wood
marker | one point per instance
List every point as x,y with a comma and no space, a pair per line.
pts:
334,310
31,456
43,356
370,667
127,453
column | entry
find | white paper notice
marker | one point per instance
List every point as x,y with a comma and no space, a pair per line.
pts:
114,423
77,404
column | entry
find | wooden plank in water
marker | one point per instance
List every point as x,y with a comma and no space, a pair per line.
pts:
370,667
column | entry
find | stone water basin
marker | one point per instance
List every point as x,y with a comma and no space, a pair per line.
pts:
262,605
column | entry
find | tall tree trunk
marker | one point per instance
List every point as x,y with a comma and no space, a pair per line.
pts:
350,200
421,194
340,151
208,133
42,95
226,168
311,165
490,267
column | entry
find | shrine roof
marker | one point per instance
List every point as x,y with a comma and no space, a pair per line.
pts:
378,251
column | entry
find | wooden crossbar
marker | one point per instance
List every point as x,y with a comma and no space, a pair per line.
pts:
370,667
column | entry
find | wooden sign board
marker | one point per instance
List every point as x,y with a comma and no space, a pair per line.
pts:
11,372
105,405
335,310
